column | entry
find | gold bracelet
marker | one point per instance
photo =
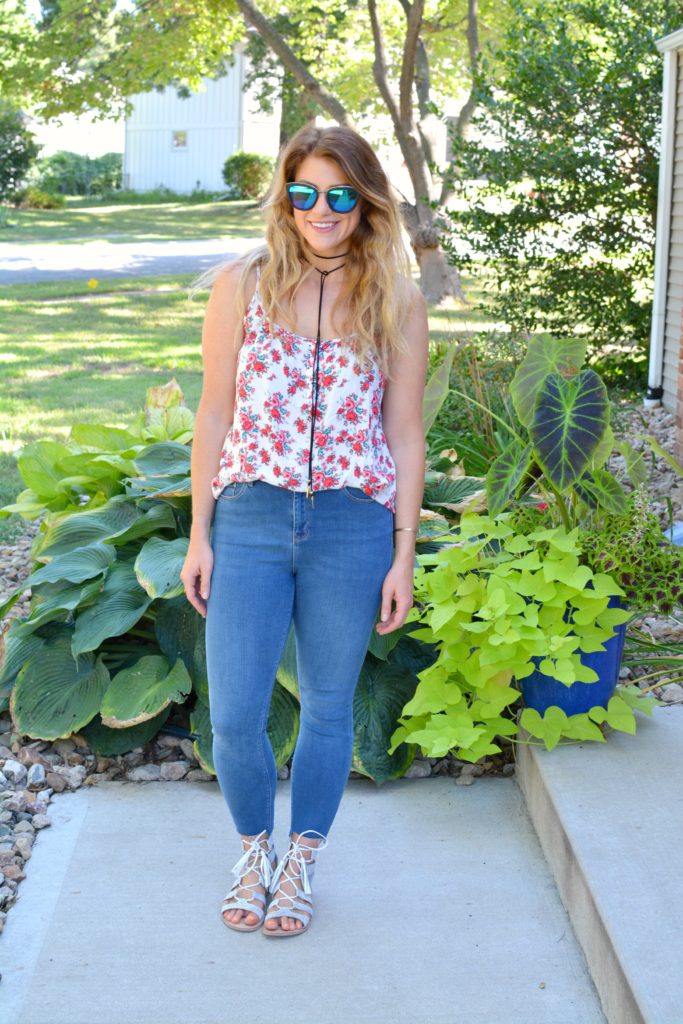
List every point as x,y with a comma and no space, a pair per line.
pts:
397,529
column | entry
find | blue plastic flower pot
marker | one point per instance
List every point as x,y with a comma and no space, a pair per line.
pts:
540,691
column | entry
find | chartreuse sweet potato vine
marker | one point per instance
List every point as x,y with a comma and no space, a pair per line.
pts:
492,602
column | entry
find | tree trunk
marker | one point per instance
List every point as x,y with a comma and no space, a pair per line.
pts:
438,279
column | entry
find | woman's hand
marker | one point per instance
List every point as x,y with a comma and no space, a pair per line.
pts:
196,573
397,589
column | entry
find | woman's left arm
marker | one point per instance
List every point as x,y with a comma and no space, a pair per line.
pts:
402,424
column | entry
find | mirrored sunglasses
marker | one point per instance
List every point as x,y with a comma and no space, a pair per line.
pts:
340,199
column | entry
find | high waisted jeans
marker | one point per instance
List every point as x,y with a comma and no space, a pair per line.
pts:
279,558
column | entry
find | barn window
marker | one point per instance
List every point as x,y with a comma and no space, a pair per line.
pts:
180,140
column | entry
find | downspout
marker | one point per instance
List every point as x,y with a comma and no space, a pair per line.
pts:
653,395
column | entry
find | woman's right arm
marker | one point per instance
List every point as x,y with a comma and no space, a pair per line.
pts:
213,419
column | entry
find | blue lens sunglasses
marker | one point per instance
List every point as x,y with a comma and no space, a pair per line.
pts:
340,199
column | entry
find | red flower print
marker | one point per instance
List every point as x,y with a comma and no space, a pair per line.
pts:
270,434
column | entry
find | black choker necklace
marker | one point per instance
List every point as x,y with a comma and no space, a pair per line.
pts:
329,257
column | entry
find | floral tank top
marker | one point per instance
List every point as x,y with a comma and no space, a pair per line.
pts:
280,406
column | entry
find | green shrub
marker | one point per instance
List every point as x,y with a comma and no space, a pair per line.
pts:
33,198
74,174
18,148
248,174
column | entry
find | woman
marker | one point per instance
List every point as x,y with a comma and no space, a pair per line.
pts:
311,411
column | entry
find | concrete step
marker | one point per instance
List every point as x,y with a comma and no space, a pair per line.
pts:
433,903
609,818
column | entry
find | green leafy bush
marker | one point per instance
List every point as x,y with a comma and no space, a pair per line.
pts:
18,148
74,174
555,195
248,174
494,601
33,198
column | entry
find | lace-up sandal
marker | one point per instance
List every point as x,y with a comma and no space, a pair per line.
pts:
244,895
299,905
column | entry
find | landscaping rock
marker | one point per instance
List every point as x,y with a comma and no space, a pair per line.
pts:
172,771
419,769
144,773
14,771
36,776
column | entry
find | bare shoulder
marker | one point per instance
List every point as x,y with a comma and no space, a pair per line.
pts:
227,283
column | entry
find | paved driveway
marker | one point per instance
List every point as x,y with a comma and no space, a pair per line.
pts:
27,264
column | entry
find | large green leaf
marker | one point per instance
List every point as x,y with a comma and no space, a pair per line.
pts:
75,566
14,653
436,389
95,435
412,654
56,694
30,505
84,528
180,633
283,724
158,517
381,645
38,465
56,601
383,690
159,486
143,690
200,724
175,424
110,742
544,355
95,466
454,493
158,566
603,450
569,421
635,463
121,604
505,476
601,490
287,669
166,458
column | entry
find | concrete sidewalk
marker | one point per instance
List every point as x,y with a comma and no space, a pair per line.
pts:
433,903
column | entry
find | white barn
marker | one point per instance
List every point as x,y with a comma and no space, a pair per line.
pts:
182,144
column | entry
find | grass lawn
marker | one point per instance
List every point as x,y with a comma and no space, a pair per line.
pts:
69,354
135,223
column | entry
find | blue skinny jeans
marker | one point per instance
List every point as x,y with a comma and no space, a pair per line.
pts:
279,558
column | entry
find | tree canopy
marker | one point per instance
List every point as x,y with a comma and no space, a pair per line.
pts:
558,200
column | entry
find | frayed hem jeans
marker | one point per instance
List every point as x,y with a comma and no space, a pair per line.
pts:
281,558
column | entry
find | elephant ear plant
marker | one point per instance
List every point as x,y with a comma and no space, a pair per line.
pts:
529,585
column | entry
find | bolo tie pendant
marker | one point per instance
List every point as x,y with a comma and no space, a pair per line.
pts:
324,274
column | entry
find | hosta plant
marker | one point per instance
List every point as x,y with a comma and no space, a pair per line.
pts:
111,644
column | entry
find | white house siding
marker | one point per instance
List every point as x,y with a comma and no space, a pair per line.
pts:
674,300
213,121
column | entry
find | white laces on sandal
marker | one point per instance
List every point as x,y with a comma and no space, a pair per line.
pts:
260,863
296,853
254,858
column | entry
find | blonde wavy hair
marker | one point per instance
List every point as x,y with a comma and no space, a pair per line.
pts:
375,296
